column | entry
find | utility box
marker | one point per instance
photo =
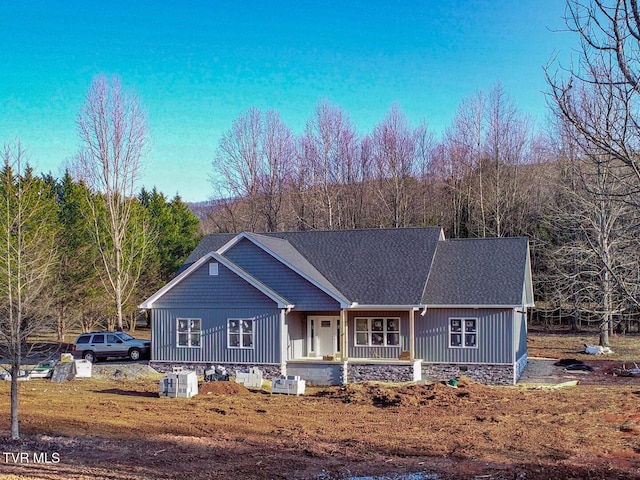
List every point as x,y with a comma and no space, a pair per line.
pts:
291,385
182,384
251,378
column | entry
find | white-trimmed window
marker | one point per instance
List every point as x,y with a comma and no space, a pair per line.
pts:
377,332
240,332
189,332
463,333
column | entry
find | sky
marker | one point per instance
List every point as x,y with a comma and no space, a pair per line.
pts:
195,66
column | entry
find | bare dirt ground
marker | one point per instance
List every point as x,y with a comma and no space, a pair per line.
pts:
115,426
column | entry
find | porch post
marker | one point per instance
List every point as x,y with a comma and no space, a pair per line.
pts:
412,334
283,342
345,336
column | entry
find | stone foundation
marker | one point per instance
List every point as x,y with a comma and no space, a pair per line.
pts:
380,372
487,374
269,372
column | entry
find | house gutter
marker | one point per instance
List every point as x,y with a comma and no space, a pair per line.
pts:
357,306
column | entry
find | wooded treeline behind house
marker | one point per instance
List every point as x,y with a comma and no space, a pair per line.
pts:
491,174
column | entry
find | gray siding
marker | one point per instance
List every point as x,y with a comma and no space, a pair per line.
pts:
495,336
378,352
520,333
200,290
280,278
214,335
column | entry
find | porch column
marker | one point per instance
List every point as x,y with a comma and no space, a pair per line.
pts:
345,337
412,334
283,341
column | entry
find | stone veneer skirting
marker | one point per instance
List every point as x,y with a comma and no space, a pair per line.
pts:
381,372
334,373
487,374
268,371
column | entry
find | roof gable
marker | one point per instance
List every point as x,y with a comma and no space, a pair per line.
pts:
186,273
283,252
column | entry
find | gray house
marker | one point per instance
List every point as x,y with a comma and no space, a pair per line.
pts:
349,305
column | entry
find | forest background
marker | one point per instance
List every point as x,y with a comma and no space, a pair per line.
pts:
492,174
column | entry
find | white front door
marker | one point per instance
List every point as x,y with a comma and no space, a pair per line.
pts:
324,336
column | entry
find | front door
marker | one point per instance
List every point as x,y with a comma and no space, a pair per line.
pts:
324,336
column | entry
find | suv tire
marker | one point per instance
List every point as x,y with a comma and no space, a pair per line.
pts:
90,356
134,354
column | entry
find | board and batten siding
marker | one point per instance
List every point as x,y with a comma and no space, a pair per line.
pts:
495,336
520,333
375,351
292,286
203,290
214,346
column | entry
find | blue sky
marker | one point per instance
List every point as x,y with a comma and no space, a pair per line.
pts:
197,65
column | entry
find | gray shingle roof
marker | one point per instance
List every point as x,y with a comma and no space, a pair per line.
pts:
392,266
372,266
488,271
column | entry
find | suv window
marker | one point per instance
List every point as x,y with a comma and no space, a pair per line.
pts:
83,339
112,339
98,338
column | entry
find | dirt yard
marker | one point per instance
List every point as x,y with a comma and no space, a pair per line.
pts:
115,426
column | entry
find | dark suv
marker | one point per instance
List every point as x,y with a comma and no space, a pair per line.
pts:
99,345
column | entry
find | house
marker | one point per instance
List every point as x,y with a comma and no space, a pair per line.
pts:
349,305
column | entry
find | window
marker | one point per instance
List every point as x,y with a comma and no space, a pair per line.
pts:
240,333
463,332
98,338
83,339
189,332
384,332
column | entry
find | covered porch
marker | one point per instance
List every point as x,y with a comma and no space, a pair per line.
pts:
352,345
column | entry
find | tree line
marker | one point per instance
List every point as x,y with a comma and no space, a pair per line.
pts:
491,174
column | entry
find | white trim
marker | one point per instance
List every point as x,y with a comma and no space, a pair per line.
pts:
475,306
385,331
240,333
188,332
344,303
280,301
463,332
357,306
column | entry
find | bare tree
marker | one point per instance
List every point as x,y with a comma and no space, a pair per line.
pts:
329,159
607,69
396,153
598,95
112,127
252,166
27,261
485,147
598,241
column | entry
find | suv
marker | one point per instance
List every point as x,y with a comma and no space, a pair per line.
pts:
99,345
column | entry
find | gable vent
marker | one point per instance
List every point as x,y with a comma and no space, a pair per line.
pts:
213,269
